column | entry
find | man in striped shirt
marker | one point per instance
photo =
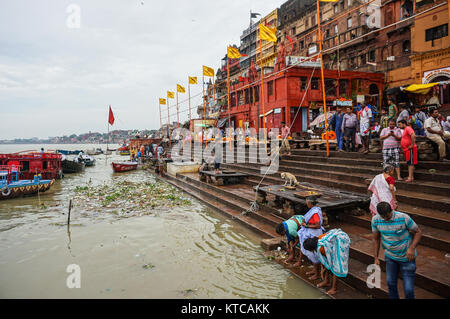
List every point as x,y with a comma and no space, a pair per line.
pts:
399,236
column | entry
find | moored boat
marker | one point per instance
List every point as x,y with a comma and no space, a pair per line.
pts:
30,163
86,159
65,152
96,151
72,165
12,187
124,166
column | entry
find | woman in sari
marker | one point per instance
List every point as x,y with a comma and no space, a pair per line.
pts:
383,189
311,227
332,249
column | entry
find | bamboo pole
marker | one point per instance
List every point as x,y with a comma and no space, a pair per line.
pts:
321,73
168,122
228,87
191,129
178,115
68,215
262,90
204,111
160,120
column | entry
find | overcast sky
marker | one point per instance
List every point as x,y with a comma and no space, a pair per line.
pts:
56,80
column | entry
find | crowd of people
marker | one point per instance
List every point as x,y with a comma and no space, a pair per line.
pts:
138,154
328,251
359,127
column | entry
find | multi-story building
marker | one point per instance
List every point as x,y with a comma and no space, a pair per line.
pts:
430,45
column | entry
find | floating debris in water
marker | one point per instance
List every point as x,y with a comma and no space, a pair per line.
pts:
131,198
148,266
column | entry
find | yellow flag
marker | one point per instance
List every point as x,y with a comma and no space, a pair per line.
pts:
180,89
170,95
207,71
192,80
162,101
267,33
233,53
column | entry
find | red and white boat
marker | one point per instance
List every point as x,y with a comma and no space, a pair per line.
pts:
124,166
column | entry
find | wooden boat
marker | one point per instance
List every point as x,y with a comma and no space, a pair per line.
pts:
97,151
124,166
65,152
86,159
12,187
30,163
72,165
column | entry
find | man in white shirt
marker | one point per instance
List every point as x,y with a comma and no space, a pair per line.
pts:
436,134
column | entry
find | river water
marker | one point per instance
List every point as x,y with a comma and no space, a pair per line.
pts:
185,251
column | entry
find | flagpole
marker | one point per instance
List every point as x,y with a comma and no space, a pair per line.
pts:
321,72
178,116
160,121
168,122
228,87
107,141
204,110
191,129
262,89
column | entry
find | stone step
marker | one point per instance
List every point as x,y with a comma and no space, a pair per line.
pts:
358,174
440,166
437,202
421,173
432,237
206,193
261,229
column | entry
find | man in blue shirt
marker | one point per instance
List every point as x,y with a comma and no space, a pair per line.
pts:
335,124
399,236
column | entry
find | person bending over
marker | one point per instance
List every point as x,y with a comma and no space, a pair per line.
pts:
332,249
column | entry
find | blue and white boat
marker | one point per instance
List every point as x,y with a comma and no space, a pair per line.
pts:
12,187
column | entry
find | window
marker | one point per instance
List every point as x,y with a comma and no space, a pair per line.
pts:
330,87
315,84
406,46
293,31
335,8
270,88
303,83
306,22
302,44
327,33
336,29
313,20
342,5
349,3
363,59
372,56
436,32
349,22
343,87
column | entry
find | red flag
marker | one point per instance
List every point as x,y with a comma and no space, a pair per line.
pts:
111,116
290,40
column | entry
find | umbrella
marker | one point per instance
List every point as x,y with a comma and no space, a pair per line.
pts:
321,118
